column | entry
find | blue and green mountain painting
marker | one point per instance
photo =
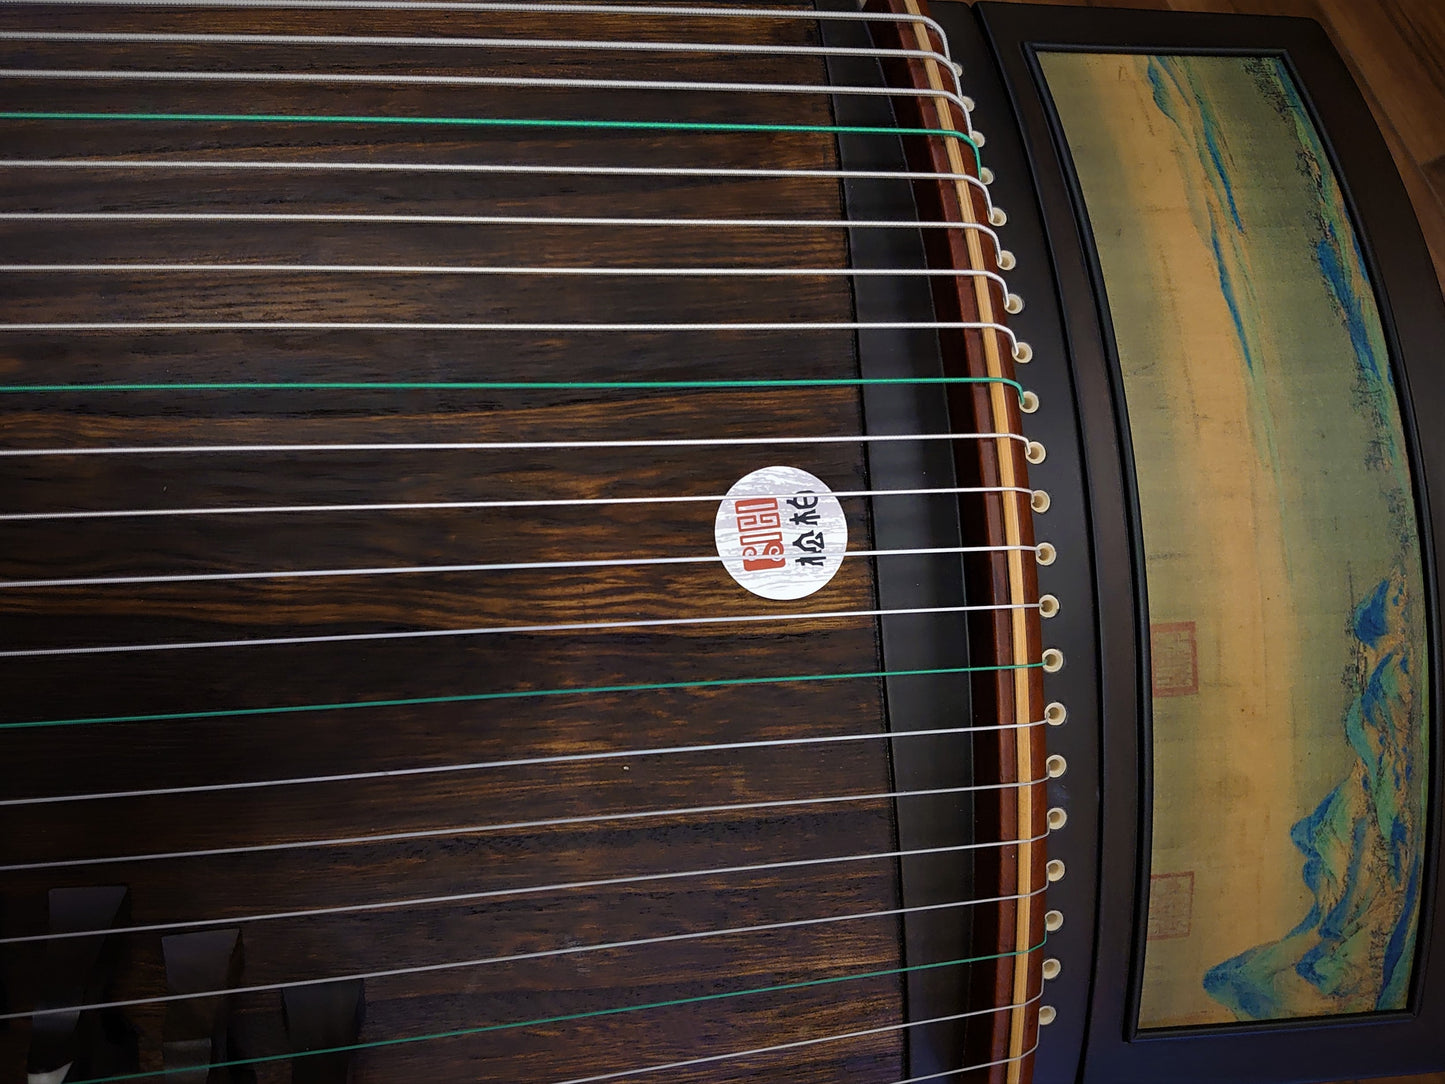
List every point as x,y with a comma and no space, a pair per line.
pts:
1279,531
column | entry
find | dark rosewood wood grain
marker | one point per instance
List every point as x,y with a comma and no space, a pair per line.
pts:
141,755
471,854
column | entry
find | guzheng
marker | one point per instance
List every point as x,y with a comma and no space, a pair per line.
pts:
578,542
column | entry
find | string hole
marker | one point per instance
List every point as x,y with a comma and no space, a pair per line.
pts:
1056,766
1053,660
1035,452
997,217
1006,261
1052,969
1023,353
1053,921
1013,304
1054,871
1057,819
1048,606
977,137
1028,402
1039,502
1045,553
1055,714
1047,1015
985,175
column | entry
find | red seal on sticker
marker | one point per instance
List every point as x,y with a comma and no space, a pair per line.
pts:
781,533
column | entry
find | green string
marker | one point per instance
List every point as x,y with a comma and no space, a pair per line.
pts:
497,385
462,1032
499,122
509,695
508,385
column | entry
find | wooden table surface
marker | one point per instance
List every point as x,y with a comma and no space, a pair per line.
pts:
1396,51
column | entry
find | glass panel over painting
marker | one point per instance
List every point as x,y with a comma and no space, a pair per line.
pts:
1282,560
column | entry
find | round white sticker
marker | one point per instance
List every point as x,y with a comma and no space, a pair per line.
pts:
781,533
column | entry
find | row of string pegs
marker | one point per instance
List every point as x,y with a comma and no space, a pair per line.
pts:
1055,714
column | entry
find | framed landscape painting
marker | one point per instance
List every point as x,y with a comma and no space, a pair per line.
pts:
1237,329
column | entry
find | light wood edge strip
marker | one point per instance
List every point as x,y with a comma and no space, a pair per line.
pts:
1024,708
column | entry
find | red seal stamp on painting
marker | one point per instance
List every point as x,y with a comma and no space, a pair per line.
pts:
1174,658
1171,906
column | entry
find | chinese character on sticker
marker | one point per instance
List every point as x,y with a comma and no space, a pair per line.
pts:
810,542
780,533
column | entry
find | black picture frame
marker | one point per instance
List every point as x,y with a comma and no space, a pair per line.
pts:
1094,1039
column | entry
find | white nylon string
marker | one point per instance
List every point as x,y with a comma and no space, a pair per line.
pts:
429,506
529,170
490,630
549,45
466,220
567,271
414,570
453,965
456,965
514,762
387,79
840,1036
284,165
934,28
1000,254
493,446
524,81
482,829
471,167
515,6
515,328
529,890
983,1064
552,45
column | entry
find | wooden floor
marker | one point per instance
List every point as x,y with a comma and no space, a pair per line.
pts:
1396,51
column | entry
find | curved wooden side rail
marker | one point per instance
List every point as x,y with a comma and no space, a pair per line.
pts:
1008,638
